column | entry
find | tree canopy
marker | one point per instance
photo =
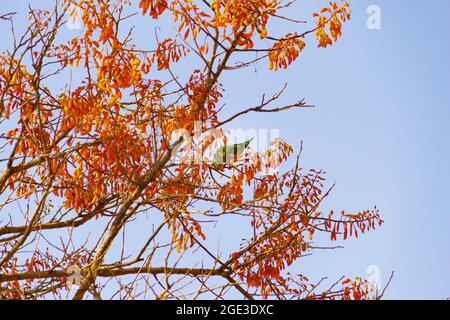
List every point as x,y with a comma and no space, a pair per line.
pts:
82,160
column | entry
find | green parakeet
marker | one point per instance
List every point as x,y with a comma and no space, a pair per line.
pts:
232,151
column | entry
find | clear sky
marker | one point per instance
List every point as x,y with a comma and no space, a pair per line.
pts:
380,130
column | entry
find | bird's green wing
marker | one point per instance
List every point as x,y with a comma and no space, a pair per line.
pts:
226,153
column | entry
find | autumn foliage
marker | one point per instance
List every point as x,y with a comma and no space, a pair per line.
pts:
88,139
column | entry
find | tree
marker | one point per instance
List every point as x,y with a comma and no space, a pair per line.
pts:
82,161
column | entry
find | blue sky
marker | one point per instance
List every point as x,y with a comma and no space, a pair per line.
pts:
380,130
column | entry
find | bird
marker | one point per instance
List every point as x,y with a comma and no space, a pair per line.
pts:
228,152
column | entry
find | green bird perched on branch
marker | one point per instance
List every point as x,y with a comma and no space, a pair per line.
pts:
232,151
